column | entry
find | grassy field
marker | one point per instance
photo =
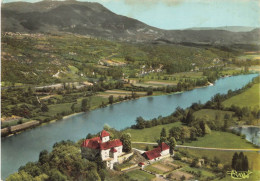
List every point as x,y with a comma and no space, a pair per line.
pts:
204,173
211,114
219,139
249,98
225,157
142,146
149,134
139,175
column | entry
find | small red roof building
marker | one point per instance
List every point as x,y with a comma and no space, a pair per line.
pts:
164,146
156,152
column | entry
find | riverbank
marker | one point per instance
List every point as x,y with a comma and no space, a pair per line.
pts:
6,132
117,101
12,130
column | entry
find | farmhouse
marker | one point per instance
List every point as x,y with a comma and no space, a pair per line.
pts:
101,145
156,154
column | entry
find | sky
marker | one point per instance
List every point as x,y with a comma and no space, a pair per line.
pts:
181,14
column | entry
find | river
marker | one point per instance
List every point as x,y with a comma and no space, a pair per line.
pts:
17,150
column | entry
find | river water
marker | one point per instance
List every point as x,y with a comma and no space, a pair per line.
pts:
17,150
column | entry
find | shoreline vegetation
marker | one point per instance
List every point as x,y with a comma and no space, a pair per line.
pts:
17,129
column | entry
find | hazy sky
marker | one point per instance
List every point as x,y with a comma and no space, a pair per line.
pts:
180,14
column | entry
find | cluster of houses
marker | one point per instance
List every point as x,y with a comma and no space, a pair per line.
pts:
145,71
111,151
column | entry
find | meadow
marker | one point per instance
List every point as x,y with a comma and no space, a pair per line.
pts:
249,98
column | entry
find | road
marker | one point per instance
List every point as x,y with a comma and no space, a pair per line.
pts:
205,148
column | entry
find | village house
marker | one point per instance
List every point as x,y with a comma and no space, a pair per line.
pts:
156,154
108,150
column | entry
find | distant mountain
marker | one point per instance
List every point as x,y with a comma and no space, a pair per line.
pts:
226,28
93,19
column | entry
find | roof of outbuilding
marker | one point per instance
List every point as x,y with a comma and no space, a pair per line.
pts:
164,146
156,152
152,154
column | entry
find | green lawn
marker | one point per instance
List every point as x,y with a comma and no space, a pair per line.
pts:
211,114
142,146
203,172
149,134
153,169
249,98
225,157
218,139
140,175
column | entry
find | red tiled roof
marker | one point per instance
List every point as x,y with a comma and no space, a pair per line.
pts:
92,143
164,146
104,133
152,154
96,143
155,153
110,144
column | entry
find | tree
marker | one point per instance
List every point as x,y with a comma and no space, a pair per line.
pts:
73,107
189,117
44,108
23,176
175,132
89,136
162,140
85,105
194,162
140,123
172,144
56,175
163,132
150,91
31,168
183,177
245,163
100,163
111,99
43,157
92,175
126,140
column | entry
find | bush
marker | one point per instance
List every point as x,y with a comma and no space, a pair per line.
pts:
177,156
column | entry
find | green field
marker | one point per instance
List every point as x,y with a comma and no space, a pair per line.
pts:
211,114
225,157
249,98
142,146
219,139
139,175
149,134
204,173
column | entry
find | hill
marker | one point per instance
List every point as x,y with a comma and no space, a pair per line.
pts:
39,58
93,19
